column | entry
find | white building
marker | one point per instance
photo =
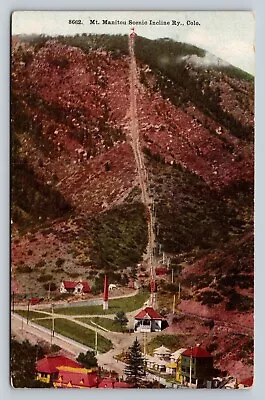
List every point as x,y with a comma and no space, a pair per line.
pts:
148,320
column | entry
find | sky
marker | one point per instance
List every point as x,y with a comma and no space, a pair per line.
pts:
229,35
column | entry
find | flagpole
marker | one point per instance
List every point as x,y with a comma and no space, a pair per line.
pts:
190,366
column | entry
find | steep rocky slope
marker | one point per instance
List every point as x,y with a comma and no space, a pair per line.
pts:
76,207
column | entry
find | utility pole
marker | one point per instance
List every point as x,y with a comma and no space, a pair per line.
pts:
96,342
174,303
13,302
28,313
52,328
163,261
172,275
190,368
49,291
145,342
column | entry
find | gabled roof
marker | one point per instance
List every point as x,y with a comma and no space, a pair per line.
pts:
73,284
148,312
108,383
177,353
76,377
197,352
162,350
49,364
155,360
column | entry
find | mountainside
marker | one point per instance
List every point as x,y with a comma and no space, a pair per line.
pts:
76,205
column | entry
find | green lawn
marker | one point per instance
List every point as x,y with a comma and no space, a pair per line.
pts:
106,323
172,342
73,331
32,314
125,304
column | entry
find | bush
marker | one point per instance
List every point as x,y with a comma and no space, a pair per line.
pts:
44,278
62,296
73,274
209,297
50,286
40,264
24,269
59,262
212,347
55,348
239,302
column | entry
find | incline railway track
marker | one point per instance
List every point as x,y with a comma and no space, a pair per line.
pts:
139,157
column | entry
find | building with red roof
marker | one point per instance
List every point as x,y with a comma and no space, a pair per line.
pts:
47,367
74,287
109,383
148,320
197,352
72,377
196,366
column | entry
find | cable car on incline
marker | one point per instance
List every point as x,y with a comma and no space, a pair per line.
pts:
133,34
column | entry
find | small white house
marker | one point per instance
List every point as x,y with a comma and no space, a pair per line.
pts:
148,320
74,287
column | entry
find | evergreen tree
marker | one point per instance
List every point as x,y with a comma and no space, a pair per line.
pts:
87,360
134,369
121,319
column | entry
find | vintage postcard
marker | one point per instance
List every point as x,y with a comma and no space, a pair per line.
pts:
132,180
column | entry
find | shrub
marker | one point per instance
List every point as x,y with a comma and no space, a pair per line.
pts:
44,278
50,286
239,302
40,264
55,348
209,297
62,296
73,274
212,347
59,262
23,269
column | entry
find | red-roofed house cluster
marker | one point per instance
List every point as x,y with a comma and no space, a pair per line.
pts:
62,372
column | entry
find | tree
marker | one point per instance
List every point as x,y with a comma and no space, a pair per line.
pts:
87,360
22,366
134,369
120,318
107,166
